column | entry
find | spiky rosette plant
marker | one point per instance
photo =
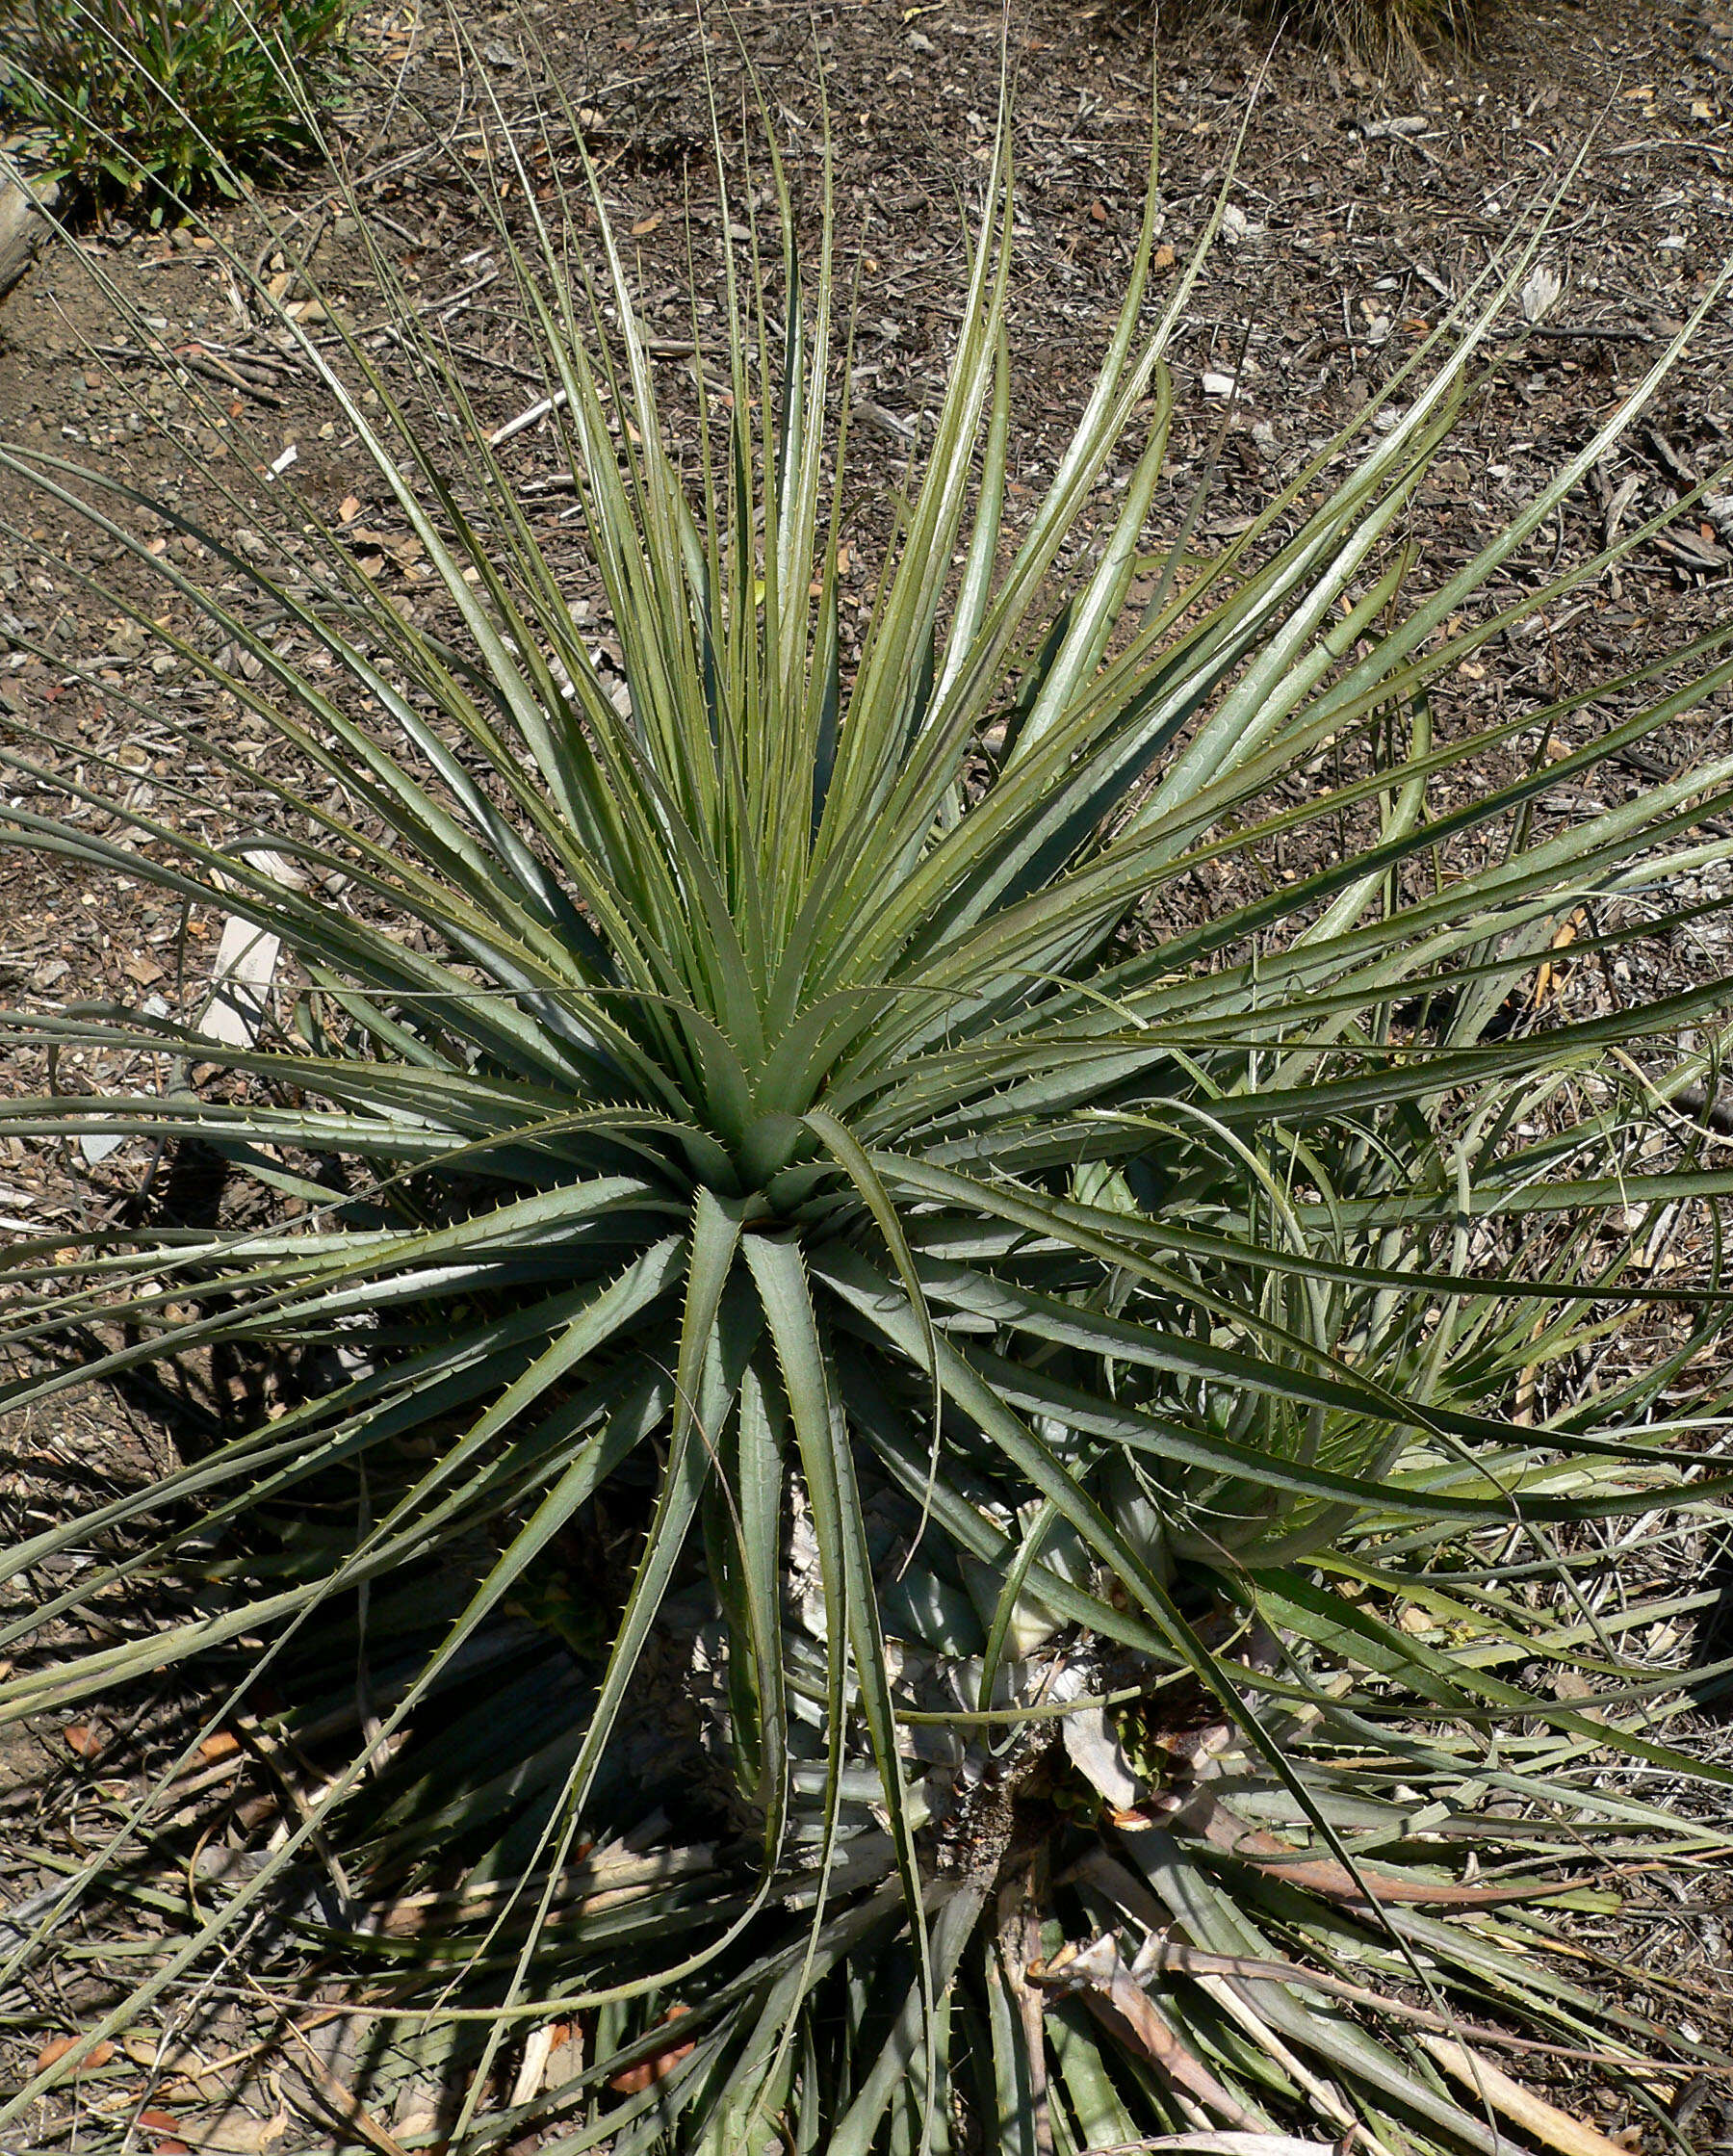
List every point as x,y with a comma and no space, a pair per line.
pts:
876,1411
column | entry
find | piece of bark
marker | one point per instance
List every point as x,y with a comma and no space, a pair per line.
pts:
25,211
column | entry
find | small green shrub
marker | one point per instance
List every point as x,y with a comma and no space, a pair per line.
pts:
165,97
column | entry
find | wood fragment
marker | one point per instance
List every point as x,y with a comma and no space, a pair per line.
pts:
26,219
1556,2128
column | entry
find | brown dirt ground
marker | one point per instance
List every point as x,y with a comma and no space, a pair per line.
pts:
1364,211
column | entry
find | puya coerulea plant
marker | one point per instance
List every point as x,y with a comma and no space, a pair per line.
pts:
956,1493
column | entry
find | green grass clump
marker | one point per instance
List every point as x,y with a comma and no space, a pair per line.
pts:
164,98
